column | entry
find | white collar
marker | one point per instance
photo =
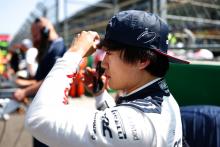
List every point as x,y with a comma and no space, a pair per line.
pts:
142,87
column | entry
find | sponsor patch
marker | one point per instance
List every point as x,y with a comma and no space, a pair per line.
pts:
119,125
105,126
134,131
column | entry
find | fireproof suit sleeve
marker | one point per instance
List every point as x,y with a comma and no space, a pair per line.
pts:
52,121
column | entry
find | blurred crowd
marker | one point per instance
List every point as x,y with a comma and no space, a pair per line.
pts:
182,48
19,64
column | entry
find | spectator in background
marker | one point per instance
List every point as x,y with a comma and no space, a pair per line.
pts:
14,58
50,47
30,57
27,65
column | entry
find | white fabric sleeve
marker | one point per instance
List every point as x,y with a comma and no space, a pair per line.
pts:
52,121
104,100
31,55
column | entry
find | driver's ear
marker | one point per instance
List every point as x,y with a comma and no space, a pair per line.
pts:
143,64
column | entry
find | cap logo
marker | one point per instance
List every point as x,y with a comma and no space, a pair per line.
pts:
150,36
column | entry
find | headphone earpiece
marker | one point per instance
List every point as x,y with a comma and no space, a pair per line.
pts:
45,32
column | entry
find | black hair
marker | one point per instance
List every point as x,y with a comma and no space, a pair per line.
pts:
45,43
159,64
37,20
44,30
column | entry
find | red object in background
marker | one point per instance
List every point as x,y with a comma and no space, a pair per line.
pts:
77,88
5,37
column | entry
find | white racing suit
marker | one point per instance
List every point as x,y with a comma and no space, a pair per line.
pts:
148,117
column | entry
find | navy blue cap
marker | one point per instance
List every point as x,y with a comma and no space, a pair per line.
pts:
140,29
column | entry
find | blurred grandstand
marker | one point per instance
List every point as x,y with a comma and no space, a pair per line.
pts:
194,24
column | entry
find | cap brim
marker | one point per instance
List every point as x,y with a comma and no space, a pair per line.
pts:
173,59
